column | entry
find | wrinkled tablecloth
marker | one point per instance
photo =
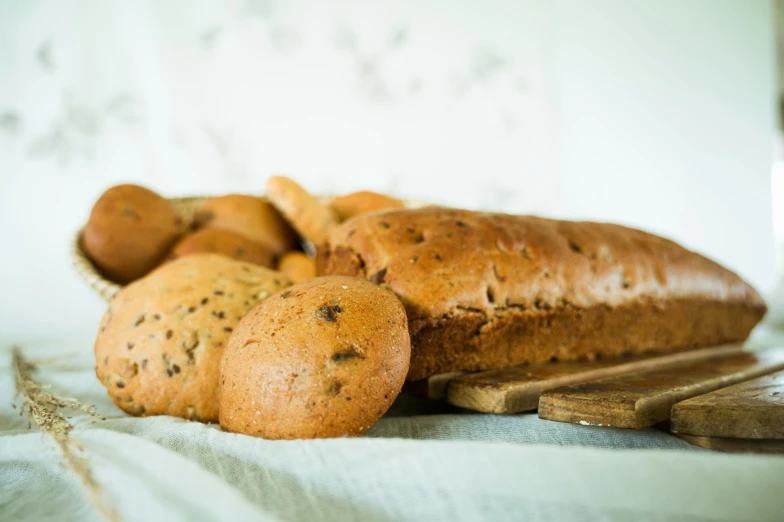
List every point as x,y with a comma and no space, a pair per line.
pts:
422,461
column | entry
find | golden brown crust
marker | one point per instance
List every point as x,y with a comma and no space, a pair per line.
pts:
129,232
325,358
486,290
160,341
250,216
309,216
224,242
297,266
363,202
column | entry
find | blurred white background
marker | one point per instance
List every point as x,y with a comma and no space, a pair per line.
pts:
657,114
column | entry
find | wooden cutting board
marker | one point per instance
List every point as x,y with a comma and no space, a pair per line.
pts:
642,399
517,388
750,410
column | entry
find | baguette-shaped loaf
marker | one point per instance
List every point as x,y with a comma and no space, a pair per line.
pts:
487,290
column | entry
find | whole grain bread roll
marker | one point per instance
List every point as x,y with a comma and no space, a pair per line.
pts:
324,358
129,232
487,290
160,341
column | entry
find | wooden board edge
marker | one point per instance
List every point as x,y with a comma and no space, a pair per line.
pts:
552,407
730,445
525,397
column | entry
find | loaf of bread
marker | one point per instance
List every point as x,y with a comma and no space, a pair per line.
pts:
489,290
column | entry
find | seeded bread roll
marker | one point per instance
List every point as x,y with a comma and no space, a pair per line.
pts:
297,266
362,202
223,242
312,218
324,358
129,232
160,342
250,216
490,290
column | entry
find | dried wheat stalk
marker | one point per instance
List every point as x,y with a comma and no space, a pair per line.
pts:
42,408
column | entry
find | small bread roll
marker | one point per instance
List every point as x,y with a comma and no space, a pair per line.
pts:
129,232
363,202
297,266
324,358
223,242
160,342
309,216
250,216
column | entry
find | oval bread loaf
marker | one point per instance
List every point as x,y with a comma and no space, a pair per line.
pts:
487,290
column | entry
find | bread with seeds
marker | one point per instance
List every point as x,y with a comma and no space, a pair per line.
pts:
489,290
160,341
324,358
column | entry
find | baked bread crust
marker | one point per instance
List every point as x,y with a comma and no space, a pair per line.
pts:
306,213
250,216
160,343
129,232
324,358
362,202
488,290
297,266
231,244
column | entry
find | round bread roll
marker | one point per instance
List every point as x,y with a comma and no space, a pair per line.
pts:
324,358
310,217
160,341
129,232
223,242
297,266
250,216
362,202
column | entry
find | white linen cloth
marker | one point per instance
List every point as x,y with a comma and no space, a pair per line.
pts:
421,461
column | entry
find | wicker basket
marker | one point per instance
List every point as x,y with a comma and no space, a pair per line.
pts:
107,289
186,207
